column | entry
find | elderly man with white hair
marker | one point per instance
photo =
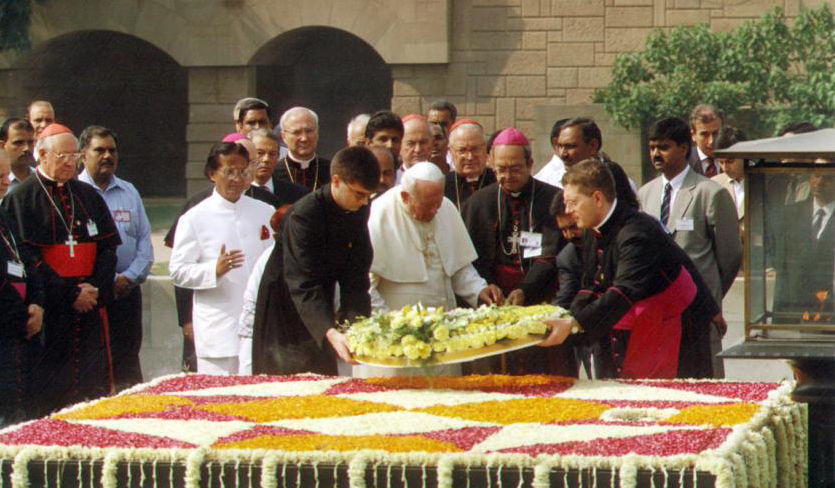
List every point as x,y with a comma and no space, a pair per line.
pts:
302,166
68,229
422,252
356,130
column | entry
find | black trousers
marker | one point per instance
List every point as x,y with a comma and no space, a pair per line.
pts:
125,317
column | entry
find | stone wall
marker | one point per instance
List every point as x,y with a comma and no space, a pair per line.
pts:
509,57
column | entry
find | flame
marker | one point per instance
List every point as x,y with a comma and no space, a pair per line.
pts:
822,295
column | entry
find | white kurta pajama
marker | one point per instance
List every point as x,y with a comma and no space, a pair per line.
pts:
243,225
419,262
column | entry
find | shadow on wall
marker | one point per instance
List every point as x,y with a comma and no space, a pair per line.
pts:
121,82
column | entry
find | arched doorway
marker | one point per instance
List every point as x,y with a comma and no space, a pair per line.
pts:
121,82
333,72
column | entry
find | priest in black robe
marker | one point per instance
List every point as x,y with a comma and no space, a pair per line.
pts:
68,229
517,242
323,242
22,302
302,165
637,285
468,147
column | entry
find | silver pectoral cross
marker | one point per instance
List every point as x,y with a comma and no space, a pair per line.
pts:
71,242
513,240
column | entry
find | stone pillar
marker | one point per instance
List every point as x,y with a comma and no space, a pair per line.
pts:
212,93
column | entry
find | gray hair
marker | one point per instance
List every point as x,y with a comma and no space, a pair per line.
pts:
261,132
296,110
463,127
361,119
46,142
421,171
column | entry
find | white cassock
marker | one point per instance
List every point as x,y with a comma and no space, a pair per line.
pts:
243,225
552,172
419,262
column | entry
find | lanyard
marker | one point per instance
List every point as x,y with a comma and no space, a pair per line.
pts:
10,243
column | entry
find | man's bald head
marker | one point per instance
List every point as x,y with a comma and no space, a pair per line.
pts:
300,131
40,114
417,140
468,147
386,160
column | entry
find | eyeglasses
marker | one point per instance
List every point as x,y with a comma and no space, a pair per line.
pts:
68,156
245,173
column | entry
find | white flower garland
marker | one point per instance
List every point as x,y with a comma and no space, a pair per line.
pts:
767,450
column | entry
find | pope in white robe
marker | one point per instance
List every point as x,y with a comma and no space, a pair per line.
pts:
422,252
215,249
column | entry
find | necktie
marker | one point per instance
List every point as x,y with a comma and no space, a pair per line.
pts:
665,204
710,172
817,223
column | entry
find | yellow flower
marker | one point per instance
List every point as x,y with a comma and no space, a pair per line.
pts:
441,333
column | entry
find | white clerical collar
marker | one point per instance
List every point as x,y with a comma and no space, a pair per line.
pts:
608,215
47,177
678,179
303,163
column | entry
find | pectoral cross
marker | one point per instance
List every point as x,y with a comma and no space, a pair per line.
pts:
513,239
71,242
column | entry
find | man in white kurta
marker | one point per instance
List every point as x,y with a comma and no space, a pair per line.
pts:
215,249
422,251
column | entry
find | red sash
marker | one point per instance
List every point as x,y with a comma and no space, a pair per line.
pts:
57,256
655,331
508,277
20,286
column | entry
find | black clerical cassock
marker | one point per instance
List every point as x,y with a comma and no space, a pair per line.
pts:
320,245
459,189
517,241
20,286
68,229
316,175
640,286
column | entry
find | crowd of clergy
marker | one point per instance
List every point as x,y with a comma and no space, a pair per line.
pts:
287,246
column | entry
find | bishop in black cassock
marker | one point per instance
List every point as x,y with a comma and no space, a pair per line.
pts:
517,242
68,229
311,175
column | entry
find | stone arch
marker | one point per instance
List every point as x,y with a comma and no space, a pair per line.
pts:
121,82
229,32
331,71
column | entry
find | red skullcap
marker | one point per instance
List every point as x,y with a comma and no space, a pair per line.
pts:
466,120
53,130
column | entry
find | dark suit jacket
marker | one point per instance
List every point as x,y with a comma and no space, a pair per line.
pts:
696,163
804,265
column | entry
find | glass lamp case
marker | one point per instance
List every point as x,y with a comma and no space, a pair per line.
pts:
789,251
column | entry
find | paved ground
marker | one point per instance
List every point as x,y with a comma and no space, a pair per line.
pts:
162,342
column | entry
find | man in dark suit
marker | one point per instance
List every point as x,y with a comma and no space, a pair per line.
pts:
637,285
266,153
806,255
705,123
